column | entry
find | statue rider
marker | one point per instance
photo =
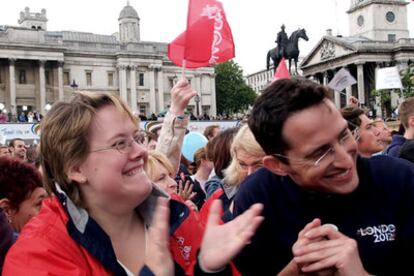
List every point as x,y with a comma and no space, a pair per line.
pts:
282,41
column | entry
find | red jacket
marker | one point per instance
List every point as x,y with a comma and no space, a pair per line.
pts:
50,244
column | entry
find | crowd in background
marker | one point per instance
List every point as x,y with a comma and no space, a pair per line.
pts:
309,202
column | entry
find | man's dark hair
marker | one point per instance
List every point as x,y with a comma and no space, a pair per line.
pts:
11,143
351,114
278,102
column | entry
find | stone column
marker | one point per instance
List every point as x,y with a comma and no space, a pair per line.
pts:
213,104
160,88
197,87
42,85
12,81
361,86
133,80
378,106
122,83
325,78
337,96
60,81
152,88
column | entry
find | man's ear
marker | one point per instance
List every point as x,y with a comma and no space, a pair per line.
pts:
274,165
75,174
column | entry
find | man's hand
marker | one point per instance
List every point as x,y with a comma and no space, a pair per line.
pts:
323,248
353,101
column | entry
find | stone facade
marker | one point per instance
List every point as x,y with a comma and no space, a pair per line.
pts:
258,81
384,20
372,45
39,67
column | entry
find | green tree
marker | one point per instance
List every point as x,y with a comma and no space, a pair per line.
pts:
233,95
407,79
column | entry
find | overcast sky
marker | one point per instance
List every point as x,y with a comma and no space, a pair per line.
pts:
254,23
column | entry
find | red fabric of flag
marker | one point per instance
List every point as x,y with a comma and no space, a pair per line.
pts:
208,39
281,71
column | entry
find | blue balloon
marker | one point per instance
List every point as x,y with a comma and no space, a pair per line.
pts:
192,142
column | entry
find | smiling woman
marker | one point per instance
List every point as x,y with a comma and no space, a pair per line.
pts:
101,220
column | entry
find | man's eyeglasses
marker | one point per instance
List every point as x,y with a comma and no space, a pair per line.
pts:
315,161
124,145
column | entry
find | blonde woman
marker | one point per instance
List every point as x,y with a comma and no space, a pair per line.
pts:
161,172
246,158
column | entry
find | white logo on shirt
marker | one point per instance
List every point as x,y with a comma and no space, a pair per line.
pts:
381,233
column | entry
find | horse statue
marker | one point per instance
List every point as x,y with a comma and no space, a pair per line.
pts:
291,52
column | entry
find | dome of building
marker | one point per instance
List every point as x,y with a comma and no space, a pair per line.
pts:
128,12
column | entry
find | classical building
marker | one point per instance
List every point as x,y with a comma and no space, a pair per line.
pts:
378,38
258,81
39,67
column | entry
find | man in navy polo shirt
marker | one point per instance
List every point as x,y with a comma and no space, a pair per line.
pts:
326,209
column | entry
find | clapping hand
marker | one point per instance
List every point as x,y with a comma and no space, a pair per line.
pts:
221,243
157,255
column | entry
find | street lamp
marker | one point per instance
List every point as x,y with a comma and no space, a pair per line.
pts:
48,107
197,100
74,85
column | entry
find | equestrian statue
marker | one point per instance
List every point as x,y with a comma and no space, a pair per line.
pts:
287,48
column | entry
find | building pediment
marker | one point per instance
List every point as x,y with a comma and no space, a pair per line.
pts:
328,48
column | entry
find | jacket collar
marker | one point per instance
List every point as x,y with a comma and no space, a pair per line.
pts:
86,231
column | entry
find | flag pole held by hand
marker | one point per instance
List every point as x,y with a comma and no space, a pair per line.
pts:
183,70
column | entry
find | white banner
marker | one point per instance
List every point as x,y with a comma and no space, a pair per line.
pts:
388,78
24,131
341,80
29,132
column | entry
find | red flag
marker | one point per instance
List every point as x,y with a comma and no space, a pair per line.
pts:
281,71
208,38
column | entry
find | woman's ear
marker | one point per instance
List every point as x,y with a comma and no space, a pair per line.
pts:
274,165
4,204
8,210
75,174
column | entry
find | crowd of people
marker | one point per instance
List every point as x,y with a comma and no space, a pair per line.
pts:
302,188
22,117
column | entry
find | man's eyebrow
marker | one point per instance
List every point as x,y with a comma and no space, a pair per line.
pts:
343,131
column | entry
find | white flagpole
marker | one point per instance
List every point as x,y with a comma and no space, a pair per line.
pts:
336,17
183,69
